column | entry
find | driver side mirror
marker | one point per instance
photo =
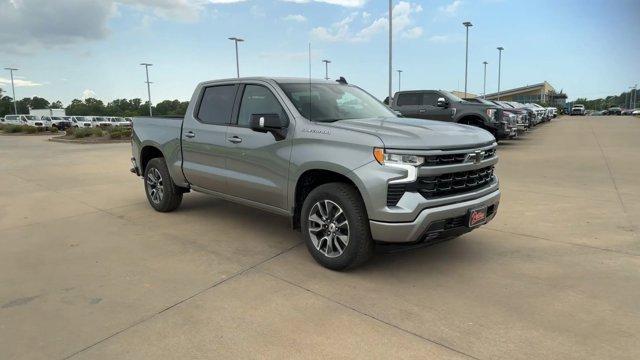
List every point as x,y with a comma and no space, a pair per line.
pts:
442,102
272,123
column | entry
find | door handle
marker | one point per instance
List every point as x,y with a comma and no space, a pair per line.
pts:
234,139
190,134
422,110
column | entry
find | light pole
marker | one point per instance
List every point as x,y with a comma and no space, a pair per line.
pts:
326,68
500,48
15,107
390,51
237,40
635,95
146,69
399,79
484,84
467,25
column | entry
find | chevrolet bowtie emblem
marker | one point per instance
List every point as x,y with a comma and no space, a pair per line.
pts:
475,157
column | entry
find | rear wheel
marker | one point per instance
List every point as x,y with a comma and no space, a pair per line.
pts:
163,195
335,226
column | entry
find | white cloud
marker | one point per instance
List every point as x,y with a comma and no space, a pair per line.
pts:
452,8
403,13
19,82
88,93
440,39
345,3
29,26
413,33
295,17
257,11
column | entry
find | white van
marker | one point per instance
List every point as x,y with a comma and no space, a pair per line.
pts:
82,121
30,120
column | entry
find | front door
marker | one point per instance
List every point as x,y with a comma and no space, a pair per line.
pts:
431,110
258,164
204,138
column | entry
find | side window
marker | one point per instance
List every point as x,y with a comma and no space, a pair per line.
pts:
431,98
258,99
216,105
409,99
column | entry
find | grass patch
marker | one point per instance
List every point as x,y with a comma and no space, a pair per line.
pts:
120,133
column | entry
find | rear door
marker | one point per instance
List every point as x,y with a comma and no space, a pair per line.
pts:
204,137
408,103
258,164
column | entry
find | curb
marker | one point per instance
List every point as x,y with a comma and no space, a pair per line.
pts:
88,142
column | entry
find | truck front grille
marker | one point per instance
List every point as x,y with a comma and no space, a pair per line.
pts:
431,187
451,159
454,183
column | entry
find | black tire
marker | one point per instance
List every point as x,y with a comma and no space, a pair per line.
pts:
360,244
170,196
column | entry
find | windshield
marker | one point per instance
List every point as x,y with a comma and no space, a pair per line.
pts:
79,118
56,118
31,117
333,102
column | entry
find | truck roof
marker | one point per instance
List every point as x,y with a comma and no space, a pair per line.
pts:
281,80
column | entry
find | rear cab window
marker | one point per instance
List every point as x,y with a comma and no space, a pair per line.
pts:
410,99
216,104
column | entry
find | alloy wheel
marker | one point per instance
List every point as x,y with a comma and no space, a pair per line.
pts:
328,228
154,186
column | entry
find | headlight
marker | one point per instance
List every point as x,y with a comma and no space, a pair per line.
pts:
384,158
410,163
491,112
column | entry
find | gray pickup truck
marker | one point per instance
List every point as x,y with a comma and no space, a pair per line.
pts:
348,172
444,106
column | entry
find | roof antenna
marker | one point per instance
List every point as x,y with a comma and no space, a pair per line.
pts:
342,80
310,116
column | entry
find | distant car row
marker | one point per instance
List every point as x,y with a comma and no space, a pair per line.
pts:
579,109
504,119
65,122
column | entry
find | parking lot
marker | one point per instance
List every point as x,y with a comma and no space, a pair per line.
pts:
89,271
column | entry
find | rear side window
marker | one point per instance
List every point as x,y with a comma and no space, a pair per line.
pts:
409,99
216,105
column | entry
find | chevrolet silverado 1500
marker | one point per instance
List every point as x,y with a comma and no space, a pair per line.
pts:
345,169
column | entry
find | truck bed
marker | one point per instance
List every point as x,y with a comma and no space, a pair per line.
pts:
164,133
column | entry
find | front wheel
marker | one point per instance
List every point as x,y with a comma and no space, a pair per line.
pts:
162,193
335,226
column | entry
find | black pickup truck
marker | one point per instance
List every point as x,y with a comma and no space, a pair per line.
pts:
444,106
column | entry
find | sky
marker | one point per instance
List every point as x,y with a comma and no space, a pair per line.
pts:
68,49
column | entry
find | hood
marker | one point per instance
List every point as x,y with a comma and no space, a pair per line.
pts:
418,134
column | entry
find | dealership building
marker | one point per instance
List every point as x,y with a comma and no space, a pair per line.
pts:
542,93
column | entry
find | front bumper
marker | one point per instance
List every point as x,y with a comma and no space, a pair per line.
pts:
431,221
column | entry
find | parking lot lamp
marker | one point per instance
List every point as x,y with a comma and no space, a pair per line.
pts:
467,25
390,51
146,69
500,48
326,68
399,79
15,107
237,40
484,84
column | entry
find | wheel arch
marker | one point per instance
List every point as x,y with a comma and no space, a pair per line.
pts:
147,153
311,179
